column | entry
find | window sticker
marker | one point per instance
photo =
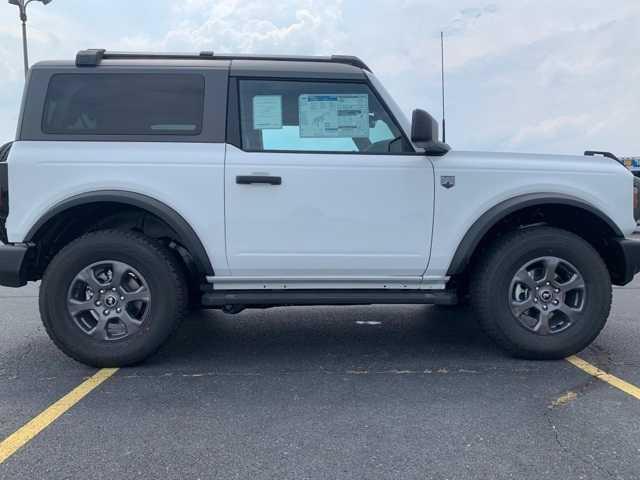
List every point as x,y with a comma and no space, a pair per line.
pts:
334,116
267,112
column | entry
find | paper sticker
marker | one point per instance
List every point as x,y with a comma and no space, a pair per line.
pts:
334,116
267,112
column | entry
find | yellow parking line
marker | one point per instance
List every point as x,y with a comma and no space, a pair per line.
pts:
605,377
30,430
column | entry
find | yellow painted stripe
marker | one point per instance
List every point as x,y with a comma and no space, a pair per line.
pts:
30,430
605,377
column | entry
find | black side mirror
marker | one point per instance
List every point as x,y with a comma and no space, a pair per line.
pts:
424,134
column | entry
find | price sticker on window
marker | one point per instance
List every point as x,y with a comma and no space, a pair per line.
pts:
334,116
267,112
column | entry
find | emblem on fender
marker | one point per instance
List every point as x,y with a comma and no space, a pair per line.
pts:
448,181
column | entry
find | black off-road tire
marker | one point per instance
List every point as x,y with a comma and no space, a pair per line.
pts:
167,288
491,291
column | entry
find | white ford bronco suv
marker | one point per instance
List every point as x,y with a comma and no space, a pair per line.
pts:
140,185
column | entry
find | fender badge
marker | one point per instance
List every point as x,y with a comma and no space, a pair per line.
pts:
448,181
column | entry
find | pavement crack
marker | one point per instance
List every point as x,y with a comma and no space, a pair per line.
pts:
589,461
325,371
191,375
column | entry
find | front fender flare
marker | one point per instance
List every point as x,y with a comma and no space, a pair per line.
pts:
499,212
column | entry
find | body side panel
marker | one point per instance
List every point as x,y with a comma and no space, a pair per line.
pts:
334,214
187,177
484,180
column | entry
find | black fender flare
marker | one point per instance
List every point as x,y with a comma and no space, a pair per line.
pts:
499,212
186,235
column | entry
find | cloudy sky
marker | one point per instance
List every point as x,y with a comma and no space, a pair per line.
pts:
523,75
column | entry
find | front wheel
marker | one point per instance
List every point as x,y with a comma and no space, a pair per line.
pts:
542,293
112,298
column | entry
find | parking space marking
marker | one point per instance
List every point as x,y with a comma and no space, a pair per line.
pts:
30,430
612,380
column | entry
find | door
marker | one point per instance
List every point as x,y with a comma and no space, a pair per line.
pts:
324,187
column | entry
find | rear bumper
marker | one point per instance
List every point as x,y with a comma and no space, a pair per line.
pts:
629,264
12,263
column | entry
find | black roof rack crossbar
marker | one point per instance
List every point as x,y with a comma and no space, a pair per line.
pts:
93,57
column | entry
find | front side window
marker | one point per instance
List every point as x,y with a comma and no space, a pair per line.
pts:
124,104
303,116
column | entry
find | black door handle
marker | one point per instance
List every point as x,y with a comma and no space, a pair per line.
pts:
251,179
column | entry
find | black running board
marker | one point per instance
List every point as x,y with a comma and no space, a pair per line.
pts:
274,298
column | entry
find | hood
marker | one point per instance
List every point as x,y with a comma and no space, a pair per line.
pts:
584,164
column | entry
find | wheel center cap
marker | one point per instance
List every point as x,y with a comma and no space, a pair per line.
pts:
110,301
546,295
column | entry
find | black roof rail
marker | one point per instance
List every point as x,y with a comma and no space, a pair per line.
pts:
93,57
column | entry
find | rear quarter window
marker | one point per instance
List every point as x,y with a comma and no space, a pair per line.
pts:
124,104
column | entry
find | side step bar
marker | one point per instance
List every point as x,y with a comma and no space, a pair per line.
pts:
275,298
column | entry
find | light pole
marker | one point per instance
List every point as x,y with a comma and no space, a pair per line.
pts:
22,5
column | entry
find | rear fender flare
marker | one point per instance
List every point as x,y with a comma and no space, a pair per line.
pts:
186,234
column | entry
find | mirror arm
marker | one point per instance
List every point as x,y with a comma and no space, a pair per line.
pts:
435,148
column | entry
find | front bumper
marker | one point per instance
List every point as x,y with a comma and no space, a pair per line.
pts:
12,265
628,253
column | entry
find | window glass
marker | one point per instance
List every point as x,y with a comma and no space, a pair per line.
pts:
315,117
124,104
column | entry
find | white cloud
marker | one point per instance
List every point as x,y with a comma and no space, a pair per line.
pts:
551,128
467,17
255,26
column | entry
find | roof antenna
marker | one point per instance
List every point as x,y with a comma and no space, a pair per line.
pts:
444,124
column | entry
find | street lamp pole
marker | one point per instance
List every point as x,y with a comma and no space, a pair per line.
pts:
25,48
22,5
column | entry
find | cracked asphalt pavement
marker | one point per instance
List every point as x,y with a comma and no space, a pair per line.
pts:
381,392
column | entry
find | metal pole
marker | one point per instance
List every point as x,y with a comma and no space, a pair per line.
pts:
24,45
444,120
22,5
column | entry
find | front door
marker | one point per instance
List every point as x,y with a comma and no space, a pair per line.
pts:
325,188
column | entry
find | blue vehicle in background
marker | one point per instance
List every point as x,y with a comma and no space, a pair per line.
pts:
633,164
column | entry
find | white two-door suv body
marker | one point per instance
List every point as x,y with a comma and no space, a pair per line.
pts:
138,185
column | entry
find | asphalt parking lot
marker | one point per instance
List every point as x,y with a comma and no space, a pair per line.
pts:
410,392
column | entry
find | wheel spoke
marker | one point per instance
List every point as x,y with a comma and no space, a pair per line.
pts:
543,326
550,267
100,330
118,271
523,276
140,295
77,306
131,323
87,276
570,312
518,308
575,283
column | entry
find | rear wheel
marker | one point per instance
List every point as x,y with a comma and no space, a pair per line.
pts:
542,293
111,298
